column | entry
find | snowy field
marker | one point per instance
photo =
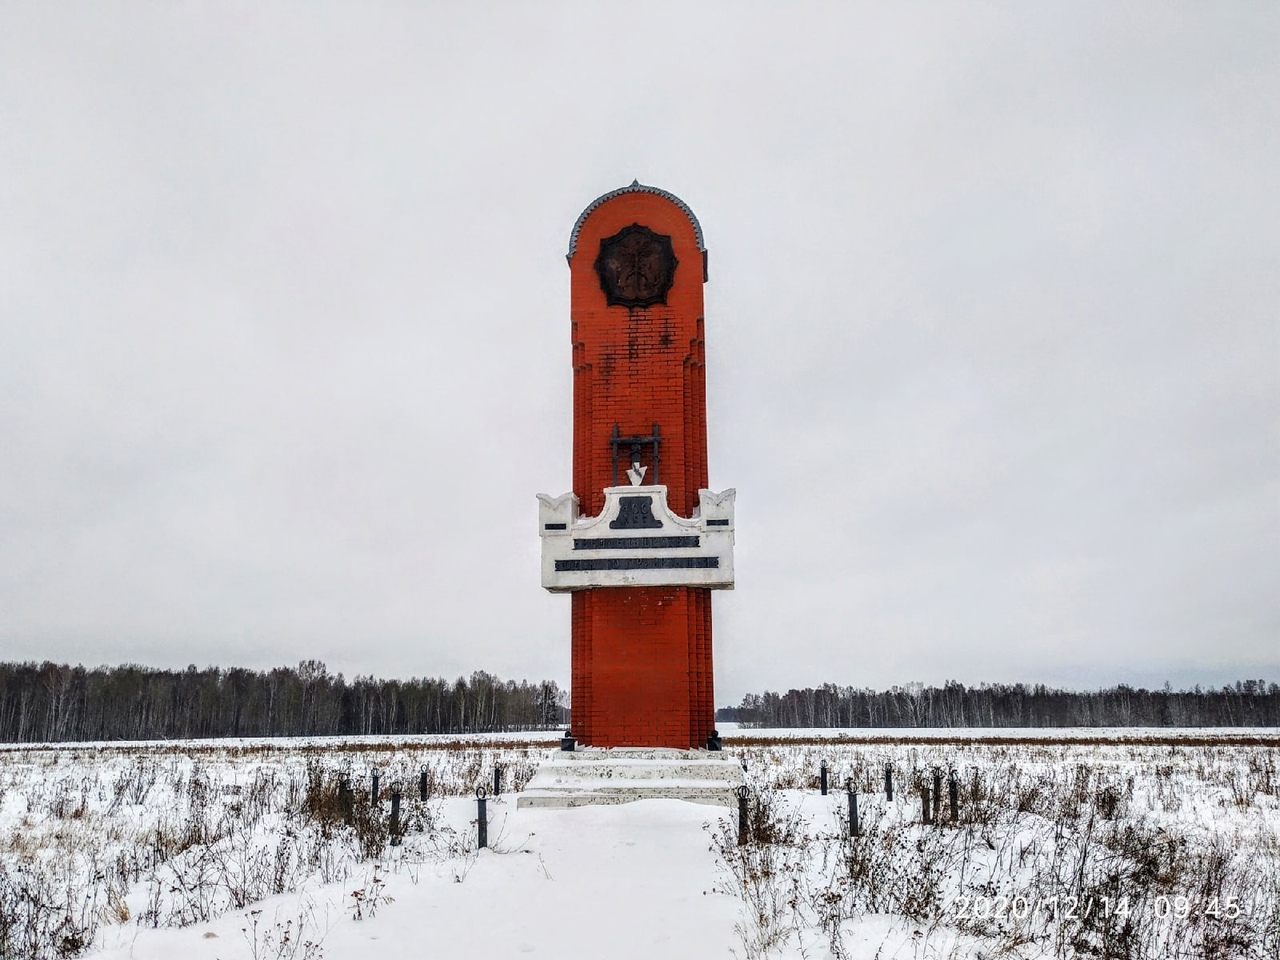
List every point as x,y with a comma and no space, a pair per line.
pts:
1080,843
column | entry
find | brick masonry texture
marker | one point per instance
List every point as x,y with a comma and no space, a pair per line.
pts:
641,661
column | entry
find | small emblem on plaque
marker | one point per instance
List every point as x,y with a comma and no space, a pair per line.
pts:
636,267
635,513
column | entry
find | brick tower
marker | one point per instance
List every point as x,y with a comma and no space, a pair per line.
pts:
640,542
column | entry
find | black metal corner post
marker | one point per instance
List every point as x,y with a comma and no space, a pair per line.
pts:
482,820
937,795
395,816
926,808
855,827
743,793
373,786
497,779
822,778
423,787
345,799
888,781
954,789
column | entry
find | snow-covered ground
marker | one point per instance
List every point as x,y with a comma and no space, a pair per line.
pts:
614,882
258,849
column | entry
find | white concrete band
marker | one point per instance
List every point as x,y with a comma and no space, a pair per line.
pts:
636,541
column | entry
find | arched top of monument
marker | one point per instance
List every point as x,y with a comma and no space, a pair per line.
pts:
635,187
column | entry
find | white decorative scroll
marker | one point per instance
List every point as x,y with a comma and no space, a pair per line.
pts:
636,541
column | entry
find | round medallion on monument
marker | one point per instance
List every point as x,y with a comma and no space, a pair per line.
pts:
636,267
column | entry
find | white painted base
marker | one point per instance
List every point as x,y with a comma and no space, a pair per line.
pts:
592,775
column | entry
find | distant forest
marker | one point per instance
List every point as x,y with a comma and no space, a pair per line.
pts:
1250,703
49,702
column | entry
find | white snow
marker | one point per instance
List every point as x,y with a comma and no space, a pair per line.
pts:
625,882
178,849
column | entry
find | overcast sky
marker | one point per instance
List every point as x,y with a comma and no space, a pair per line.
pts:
992,339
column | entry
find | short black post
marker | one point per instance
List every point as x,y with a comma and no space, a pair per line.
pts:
743,793
373,786
925,808
395,816
344,797
937,795
482,820
954,789
423,786
888,781
497,779
744,764
855,828
822,778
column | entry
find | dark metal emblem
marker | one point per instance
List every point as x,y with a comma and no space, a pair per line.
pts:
635,513
636,267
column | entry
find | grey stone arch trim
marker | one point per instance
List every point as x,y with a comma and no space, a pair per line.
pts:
637,187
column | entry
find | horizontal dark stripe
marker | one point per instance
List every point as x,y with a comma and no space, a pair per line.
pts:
717,523
632,543
555,526
638,563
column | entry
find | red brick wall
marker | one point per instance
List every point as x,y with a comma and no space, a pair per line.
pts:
642,673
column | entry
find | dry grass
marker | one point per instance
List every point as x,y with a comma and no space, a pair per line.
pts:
1134,850
172,834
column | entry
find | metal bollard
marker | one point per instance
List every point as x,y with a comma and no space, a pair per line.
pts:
482,820
822,778
395,816
937,795
344,798
954,789
744,764
855,827
497,779
743,793
888,781
423,787
925,808
373,786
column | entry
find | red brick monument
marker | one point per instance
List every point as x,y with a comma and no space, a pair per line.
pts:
640,543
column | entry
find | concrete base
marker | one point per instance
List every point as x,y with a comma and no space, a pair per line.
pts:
592,775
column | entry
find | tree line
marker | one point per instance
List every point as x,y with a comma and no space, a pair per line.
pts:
1249,703
50,702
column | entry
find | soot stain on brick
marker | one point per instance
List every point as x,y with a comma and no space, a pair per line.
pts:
635,333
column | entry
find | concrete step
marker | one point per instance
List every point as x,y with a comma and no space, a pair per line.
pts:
641,770
622,775
611,754
722,796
